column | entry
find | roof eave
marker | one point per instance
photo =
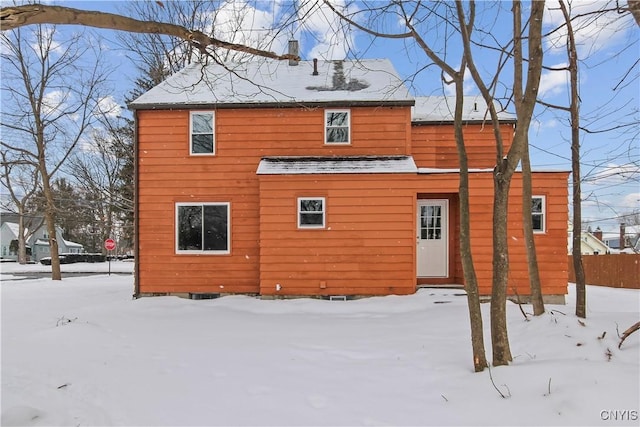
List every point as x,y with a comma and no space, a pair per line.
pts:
466,122
237,105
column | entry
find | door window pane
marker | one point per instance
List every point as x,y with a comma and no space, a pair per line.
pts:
431,222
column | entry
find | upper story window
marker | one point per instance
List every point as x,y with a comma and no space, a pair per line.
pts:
203,228
202,139
538,208
311,212
337,127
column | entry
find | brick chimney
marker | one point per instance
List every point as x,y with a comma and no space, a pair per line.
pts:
622,236
598,234
293,50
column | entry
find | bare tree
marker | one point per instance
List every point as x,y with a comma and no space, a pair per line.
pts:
21,180
450,76
574,110
569,28
506,162
50,93
97,168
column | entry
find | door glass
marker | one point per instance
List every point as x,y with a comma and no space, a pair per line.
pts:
431,222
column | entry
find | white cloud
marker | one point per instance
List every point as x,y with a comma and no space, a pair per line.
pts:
109,107
239,22
332,38
54,102
631,201
45,42
553,82
468,85
614,174
593,30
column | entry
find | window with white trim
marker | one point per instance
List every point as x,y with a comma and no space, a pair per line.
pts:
538,208
311,212
202,139
203,228
337,127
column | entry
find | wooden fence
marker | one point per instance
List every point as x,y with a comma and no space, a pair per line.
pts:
616,271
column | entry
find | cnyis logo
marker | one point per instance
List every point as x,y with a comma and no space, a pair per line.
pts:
618,415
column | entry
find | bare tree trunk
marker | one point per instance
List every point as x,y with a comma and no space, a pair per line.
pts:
499,334
22,244
468,270
50,217
529,241
574,108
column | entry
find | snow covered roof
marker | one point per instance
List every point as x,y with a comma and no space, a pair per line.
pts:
329,165
270,82
430,109
15,228
71,244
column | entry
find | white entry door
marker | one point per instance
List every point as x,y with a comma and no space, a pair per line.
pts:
433,238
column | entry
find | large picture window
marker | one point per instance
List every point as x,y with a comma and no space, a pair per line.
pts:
202,135
311,212
538,213
337,128
202,228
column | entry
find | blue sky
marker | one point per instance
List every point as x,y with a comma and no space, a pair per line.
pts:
609,49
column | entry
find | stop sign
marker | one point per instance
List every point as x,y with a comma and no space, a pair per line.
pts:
109,244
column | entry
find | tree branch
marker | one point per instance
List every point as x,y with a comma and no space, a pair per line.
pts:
12,17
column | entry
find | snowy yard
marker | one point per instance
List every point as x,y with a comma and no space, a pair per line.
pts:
81,352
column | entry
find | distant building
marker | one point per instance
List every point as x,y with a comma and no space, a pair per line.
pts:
590,242
37,243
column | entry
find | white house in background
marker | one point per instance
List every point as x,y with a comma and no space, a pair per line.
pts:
38,243
590,243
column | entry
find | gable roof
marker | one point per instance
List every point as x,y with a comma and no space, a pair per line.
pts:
15,228
273,83
440,109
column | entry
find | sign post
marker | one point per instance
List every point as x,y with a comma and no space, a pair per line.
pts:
109,245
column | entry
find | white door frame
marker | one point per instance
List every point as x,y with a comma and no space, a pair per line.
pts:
432,239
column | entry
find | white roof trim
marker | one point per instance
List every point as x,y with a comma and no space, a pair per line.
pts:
476,170
336,165
452,170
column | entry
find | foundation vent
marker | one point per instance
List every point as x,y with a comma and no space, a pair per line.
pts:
203,296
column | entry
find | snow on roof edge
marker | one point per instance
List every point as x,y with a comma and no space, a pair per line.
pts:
336,165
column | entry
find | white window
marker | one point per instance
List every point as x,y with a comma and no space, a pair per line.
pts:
538,208
203,228
311,212
337,129
201,133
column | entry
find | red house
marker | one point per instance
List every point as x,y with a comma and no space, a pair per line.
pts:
323,178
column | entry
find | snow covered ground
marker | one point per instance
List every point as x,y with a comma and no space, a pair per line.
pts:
83,352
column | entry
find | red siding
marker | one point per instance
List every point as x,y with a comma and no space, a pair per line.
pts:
434,146
167,174
369,244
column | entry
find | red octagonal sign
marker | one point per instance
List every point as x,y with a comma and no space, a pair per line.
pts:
109,244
